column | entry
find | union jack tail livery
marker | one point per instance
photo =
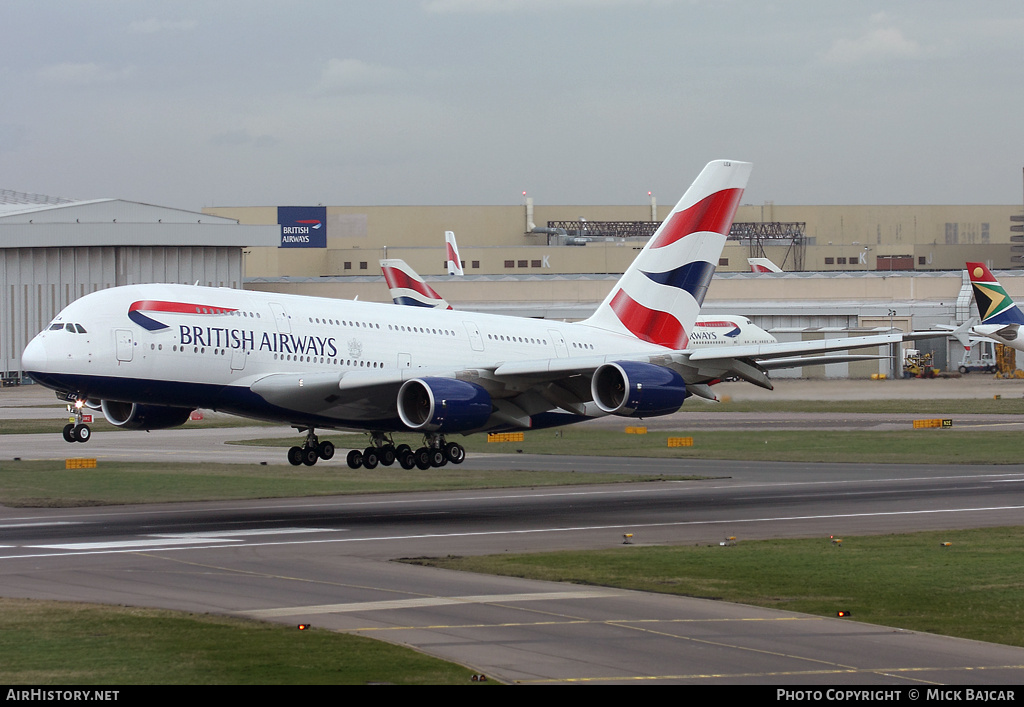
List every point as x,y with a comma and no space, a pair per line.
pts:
454,263
994,305
658,298
407,287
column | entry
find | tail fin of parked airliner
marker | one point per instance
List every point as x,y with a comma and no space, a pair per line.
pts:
994,305
659,296
454,263
407,287
760,265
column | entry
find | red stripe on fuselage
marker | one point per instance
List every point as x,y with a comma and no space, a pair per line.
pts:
177,307
713,213
650,325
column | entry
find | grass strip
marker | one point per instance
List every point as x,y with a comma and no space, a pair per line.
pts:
924,446
971,589
59,643
48,484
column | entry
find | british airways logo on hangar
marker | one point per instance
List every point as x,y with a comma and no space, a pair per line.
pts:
302,226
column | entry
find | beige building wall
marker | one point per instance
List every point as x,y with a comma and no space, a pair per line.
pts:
493,240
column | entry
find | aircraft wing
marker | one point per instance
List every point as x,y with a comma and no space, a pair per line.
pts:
524,388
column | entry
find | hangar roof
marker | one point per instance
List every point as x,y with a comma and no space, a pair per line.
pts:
40,221
20,207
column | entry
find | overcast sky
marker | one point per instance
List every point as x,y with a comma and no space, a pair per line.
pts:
194,104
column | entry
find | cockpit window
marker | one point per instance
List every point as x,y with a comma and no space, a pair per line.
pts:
73,328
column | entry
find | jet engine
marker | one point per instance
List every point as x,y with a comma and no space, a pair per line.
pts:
443,405
635,389
133,416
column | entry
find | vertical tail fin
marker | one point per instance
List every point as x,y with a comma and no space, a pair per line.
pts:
454,263
407,287
760,265
659,296
994,305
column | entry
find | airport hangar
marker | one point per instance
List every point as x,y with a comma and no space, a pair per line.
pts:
55,250
849,269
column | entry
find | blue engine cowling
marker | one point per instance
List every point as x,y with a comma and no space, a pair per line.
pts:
443,405
133,416
634,389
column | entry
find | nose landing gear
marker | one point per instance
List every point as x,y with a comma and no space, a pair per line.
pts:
77,431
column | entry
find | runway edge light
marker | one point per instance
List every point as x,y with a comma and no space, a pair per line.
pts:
302,627
843,613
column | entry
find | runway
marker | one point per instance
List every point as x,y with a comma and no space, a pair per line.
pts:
328,561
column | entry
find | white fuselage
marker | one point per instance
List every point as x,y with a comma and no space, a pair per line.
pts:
206,347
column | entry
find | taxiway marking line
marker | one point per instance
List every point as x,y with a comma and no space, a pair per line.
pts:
422,602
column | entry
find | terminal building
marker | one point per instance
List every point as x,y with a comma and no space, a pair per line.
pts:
847,269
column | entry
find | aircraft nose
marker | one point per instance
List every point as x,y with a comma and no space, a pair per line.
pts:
34,357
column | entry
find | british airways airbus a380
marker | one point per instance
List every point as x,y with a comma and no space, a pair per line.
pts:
148,355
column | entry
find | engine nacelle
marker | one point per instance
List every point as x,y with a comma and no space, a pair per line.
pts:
634,389
443,405
133,416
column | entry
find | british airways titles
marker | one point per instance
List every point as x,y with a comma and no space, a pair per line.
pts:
246,339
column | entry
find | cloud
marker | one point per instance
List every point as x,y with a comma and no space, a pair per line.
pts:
878,44
154,26
509,6
84,73
347,75
243,137
13,137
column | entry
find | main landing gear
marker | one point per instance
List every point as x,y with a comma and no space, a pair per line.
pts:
77,431
435,452
382,450
311,450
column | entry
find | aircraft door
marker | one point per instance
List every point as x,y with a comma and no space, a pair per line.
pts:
475,340
238,359
123,344
281,317
404,360
561,350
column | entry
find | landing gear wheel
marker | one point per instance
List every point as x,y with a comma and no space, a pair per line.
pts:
438,458
69,433
309,456
402,449
82,433
295,456
370,458
422,458
386,455
325,449
407,460
354,459
455,452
